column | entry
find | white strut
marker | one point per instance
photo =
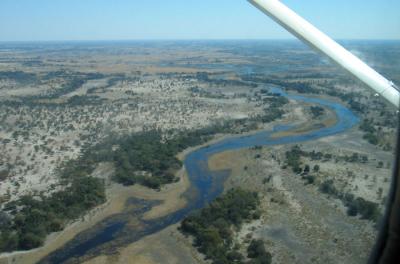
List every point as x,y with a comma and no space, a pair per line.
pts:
321,42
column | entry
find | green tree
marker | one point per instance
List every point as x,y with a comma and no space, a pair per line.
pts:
307,169
257,252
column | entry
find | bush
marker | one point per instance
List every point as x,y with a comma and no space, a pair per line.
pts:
257,252
368,210
293,159
328,188
352,210
371,138
310,179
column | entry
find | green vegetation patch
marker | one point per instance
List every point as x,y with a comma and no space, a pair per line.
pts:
147,158
293,159
212,228
317,111
26,223
369,131
274,111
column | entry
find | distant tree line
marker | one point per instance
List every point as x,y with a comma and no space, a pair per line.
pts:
18,76
74,82
300,87
293,157
204,76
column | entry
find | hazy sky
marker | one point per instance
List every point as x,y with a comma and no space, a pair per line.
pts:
189,19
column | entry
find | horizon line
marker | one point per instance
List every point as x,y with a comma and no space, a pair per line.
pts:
188,39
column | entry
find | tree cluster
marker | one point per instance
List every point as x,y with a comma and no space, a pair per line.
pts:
369,132
212,227
317,111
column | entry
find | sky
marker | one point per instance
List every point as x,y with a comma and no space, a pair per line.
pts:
60,20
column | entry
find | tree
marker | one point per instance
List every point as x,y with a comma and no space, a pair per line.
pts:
235,257
307,169
364,159
352,210
316,168
256,251
255,248
328,187
317,111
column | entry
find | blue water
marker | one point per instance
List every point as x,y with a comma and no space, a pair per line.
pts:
205,186
196,162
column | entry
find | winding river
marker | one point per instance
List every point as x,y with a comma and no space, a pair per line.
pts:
204,186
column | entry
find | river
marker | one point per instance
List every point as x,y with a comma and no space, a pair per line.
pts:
205,186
